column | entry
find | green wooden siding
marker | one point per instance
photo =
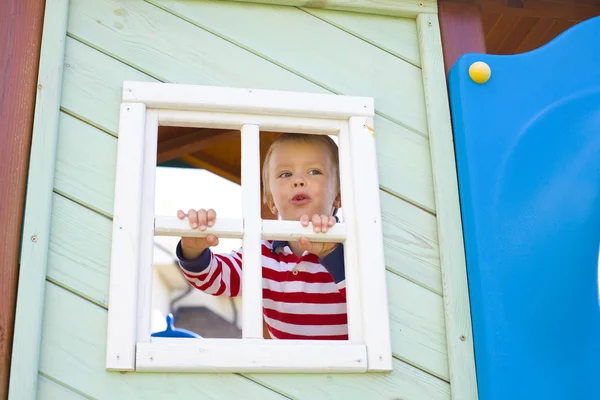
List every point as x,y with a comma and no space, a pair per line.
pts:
204,42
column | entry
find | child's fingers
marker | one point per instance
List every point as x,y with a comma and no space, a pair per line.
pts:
332,221
202,219
211,216
316,221
305,244
304,220
324,222
212,240
180,214
193,218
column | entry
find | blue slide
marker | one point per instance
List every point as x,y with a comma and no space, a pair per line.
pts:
528,155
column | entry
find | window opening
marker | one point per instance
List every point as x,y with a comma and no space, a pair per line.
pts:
145,107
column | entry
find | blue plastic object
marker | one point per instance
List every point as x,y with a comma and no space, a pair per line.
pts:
528,155
173,332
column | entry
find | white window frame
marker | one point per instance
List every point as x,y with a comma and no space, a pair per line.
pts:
144,107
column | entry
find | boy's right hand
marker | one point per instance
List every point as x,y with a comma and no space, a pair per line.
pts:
192,247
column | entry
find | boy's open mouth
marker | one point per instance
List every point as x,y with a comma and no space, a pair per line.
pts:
300,198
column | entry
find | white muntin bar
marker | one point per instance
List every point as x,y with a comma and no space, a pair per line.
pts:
124,263
147,228
223,120
251,101
252,320
351,268
369,233
293,231
227,228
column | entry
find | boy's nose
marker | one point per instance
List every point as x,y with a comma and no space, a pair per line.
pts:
299,184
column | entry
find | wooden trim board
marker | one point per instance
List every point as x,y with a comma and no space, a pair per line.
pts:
394,8
459,337
461,29
19,58
38,203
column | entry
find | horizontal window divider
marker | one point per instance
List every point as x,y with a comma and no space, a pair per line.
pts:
251,355
230,228
293,230
267,123
242,100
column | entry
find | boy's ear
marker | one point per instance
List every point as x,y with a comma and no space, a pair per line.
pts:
271,205
337,203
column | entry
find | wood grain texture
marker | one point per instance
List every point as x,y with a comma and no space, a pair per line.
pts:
36,222
50,390
85,171
73,352
457,312
146,43
461,29
92,93
19,57
342,63
79,260
395,35
535,36
523,25
73,320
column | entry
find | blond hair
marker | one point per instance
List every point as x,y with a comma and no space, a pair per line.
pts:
324,140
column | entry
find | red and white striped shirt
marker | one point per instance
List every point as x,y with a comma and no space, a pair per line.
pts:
303,297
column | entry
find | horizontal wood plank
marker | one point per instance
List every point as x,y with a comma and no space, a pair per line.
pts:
73,353
86,164
342,63
79,260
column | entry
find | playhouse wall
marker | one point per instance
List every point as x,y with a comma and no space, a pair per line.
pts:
239,45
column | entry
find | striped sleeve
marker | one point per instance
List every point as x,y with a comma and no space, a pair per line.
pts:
215,274
334,264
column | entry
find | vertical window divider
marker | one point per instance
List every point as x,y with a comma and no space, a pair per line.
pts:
252,320
351,267
147,227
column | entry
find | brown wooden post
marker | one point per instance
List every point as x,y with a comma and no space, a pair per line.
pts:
20,42
461,28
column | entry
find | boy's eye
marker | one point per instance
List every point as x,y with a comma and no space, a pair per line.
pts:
314,172
285,175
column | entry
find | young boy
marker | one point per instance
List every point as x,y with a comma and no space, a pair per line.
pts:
304,295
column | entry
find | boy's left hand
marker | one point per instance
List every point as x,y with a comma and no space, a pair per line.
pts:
321,223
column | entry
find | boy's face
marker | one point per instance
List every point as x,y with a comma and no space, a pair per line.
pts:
302,180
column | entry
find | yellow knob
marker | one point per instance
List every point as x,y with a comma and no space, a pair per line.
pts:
480,72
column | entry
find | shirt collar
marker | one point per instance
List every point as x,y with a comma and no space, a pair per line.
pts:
283,243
